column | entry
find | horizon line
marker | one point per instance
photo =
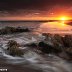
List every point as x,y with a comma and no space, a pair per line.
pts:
34,20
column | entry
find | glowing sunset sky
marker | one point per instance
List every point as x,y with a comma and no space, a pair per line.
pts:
35,9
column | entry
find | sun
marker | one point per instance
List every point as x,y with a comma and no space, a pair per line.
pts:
63,18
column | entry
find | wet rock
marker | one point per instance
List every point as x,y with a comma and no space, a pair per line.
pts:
46,48
55,41
67,41
48,36
13,48
11,43
11,30
69,52
58,42
61,46
59,39
64,55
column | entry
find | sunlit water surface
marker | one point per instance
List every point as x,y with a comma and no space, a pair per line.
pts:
55,27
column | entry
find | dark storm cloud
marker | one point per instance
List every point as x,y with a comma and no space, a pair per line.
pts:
31,4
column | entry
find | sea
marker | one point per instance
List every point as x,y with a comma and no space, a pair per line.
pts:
33,61
40,26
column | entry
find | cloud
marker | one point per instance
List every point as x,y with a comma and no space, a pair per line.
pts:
32,4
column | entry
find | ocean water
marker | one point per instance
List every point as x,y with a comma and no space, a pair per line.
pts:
42,27
47,62
32,59
20,24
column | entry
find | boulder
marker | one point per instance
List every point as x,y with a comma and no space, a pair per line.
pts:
67,40
69,51
13,49
10,30
46,48
55,41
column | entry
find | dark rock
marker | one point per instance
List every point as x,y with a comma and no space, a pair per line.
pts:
64,55
13,48
60,45
58,42
46,48
10,30
69,51
55,41
58,38
67,40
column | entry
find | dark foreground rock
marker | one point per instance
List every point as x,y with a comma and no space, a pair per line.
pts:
46,48
13,48
52,44
11,30
67,39
60,45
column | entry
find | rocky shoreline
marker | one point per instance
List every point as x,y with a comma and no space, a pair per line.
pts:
29,46
50,44
12,30
55,44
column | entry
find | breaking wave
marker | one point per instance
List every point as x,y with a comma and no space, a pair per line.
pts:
47,62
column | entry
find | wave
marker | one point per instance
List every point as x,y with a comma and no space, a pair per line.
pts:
46,62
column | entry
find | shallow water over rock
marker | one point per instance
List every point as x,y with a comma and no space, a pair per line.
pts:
31,59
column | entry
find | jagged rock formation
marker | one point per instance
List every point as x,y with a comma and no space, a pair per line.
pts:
52,44
60,45
13,48
67,40
11,30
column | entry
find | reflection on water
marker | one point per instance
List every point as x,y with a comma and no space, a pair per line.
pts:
46,27
54,27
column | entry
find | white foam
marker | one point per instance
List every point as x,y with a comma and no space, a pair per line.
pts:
11,57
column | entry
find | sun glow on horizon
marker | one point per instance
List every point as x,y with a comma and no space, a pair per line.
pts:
63,18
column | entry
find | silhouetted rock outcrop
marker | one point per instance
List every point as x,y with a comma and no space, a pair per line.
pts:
10,30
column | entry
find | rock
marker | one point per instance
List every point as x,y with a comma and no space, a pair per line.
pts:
13,49
55,41
46,48
69,52
48,36
11,43
64,55
67,40
58,42
11,30
59,39
59,45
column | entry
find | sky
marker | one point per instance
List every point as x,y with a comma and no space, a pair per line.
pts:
35,9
